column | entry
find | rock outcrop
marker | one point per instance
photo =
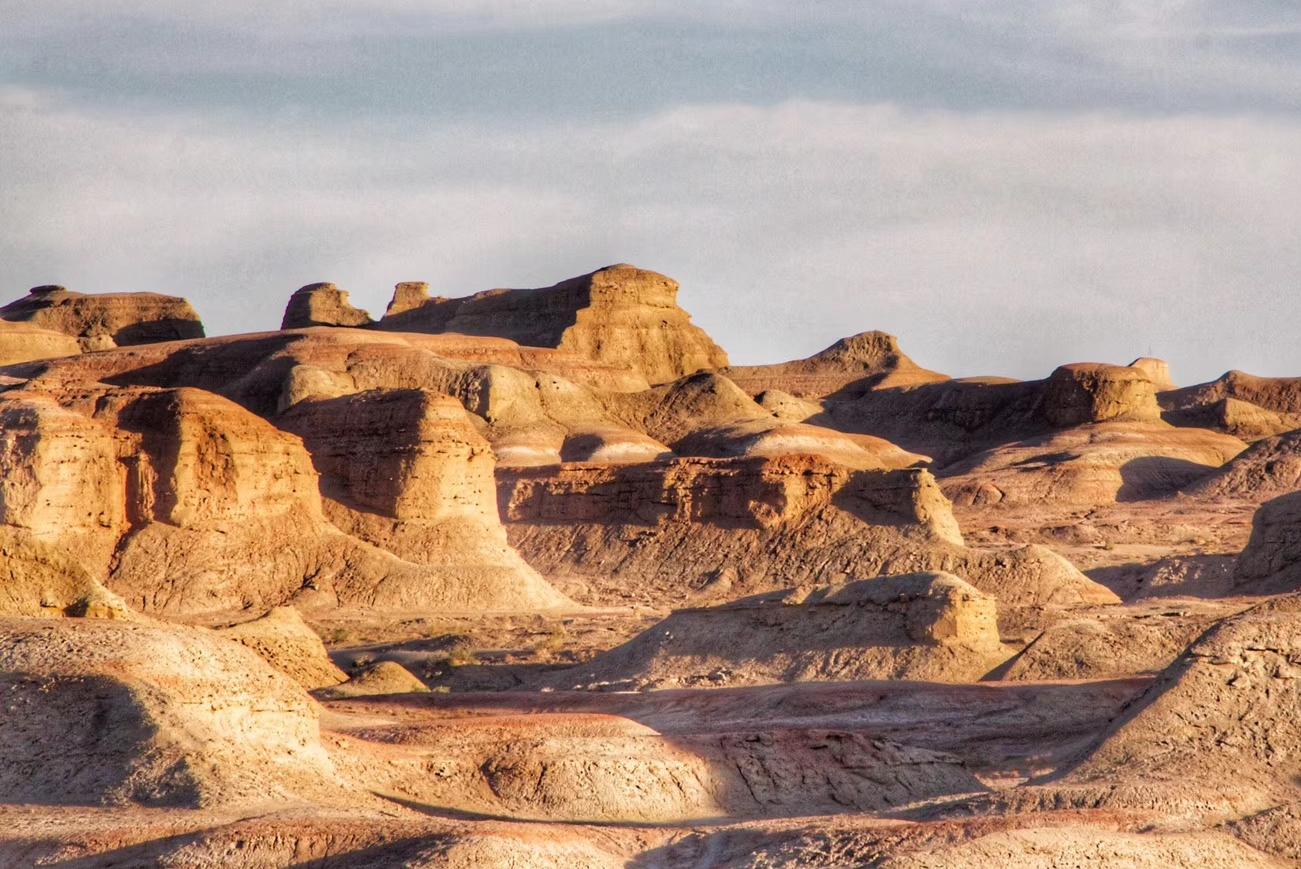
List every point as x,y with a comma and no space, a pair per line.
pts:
1271,562
183,502
1267,469
1157,371
621,315
24,342
1085,392
930,626
859,363
1217,732
702,530
104,320
284,641
114,713
1090,465
322,305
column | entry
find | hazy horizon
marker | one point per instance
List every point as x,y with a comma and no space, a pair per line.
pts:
1004,186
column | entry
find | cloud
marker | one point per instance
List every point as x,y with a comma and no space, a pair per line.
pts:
990,242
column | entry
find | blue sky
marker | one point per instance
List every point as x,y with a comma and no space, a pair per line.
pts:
1006,186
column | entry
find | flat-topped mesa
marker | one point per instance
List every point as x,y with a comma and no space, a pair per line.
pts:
103,320
862,362
621,315
1088,392
322,304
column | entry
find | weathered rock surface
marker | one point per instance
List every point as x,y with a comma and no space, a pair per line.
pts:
284,641
1268,469
107,319
1217,733
1271,562
322,305
183,502
1084,392
621,315
859,363
699,530
929,626
104,713
407,472
24,342
1091,464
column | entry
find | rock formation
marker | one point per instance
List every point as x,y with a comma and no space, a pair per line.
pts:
106,319
1084,392
924,626
1268,469
699,530
905,620
284,641
322,305
1271,561
114,713
23,342
859,363
621,315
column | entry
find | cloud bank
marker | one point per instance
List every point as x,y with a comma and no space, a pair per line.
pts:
994,228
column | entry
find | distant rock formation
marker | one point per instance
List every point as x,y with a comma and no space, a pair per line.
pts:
621,315
1085,392
1157,371
862,362
103,320
1264,404
322,305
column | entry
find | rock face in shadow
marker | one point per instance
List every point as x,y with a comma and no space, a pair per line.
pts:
107,319
406,471
183,502
113,713
1271,561
621,315
929,626
322,305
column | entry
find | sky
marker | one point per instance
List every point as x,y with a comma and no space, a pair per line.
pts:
1005,185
